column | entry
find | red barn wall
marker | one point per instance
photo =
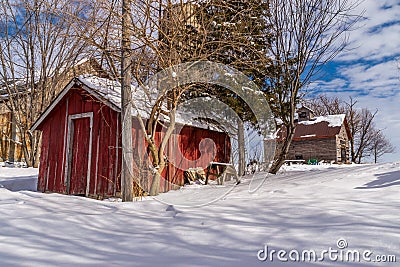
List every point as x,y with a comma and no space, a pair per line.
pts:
105,167
183,152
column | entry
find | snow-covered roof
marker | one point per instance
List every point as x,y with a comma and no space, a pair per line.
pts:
318,127
142,101
109,92
333,120
16,86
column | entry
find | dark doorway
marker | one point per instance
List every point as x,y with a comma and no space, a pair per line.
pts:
343,155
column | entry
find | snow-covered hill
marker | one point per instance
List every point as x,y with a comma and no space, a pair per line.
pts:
347,209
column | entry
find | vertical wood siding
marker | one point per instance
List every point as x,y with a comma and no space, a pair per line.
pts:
105,167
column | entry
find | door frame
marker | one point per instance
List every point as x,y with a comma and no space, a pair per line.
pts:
69,146
343,154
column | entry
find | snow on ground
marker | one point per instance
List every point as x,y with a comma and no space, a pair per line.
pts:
302,208
27,178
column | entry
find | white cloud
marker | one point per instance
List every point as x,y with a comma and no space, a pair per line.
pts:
370,72
387,118
378,35
332,86
382,79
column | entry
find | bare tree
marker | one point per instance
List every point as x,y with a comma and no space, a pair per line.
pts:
36,51
167,33
365,139
150,49
323,105
354,120
306,35
364,136
379,145
226,32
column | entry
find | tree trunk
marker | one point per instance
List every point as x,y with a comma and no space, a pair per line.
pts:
126,116
241,147
359,158
160,160
36,153
25,150
11,148
353,158
155,184
277,164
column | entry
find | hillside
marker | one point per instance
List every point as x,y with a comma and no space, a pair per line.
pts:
301,208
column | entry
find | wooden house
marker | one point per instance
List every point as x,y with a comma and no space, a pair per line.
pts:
81,143
10,136
321,138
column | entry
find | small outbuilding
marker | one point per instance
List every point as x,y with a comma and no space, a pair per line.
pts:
81,143
319,138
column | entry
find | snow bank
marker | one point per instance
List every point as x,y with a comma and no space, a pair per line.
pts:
16,179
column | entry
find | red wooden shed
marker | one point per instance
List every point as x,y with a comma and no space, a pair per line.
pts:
81,143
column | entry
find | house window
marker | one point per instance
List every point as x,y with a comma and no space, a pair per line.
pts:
303,115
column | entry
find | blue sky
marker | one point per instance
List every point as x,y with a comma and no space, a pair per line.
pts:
370,69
